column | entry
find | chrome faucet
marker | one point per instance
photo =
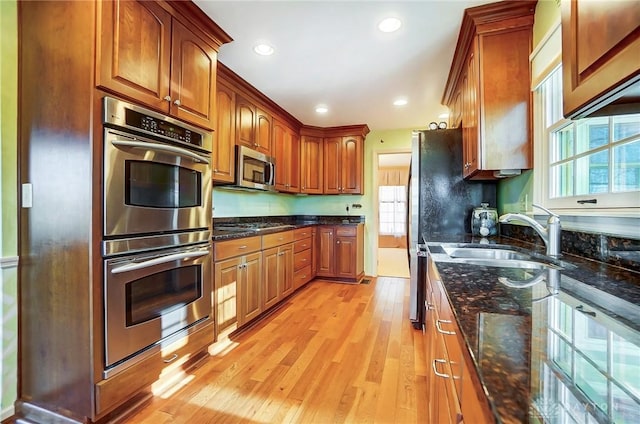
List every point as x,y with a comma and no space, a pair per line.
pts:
550,235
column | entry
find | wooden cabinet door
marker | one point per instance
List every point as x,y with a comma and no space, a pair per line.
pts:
245,122
470,118
332,165
270,291
134,51
280,153
294,161
263,132
351,166
311,165
193,77
345,257
286,268
600,53
326,240
223,154
250,282
225,296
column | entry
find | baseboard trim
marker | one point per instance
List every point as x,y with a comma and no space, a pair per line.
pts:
7,414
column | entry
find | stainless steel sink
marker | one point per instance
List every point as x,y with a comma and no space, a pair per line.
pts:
493,256
482,253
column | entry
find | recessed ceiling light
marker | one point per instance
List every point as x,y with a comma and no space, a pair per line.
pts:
390,24
400,102
322,109
263,49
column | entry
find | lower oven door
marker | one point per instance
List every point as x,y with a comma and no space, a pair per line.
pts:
150,297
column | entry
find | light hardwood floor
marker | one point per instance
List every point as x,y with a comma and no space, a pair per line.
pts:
335,353
393,262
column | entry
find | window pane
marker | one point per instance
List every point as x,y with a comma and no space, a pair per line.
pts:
625,409
563,144
591,339
626,166
561,354
592,173
552,92
591,382
561,181
386,193
626,364
592,133
625,126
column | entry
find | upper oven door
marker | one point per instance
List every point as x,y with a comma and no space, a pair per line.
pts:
153,187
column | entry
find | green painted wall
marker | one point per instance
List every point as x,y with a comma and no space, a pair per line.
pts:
229,203
8,184
515,194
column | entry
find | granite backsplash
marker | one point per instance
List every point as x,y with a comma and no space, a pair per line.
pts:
612,250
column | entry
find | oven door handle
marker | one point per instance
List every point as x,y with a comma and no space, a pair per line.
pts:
162,148
158,261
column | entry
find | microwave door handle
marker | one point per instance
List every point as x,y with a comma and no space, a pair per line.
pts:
162,148
158,261
272,173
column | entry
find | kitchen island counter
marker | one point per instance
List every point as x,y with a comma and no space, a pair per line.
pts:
548,343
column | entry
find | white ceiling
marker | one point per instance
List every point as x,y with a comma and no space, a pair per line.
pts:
331,52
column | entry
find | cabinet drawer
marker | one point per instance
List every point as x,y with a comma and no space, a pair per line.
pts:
301,245
277,239
122,386
346,231
302,233
302,259
230,248
302,276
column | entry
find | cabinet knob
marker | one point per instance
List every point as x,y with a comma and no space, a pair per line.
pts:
177,102
167,98
338,242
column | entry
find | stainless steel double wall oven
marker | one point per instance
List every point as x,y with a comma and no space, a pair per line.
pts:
156,232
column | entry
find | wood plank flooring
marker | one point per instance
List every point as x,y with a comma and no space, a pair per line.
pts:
335,353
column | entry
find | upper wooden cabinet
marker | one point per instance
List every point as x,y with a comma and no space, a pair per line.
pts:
223,154
488,88
311,164
148,55
286,151
343,165
253,126
600,57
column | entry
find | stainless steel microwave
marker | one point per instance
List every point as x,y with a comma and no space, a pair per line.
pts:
254,169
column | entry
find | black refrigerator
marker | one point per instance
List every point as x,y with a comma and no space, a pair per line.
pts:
440,202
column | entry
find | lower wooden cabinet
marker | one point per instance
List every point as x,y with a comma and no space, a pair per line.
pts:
278,274
303,256
456,394
341,251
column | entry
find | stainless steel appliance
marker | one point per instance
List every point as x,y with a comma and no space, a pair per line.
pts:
157,254
157,173
254,169
440,202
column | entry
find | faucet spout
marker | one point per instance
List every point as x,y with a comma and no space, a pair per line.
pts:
550,235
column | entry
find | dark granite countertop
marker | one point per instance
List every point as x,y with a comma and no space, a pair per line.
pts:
233,228
549,343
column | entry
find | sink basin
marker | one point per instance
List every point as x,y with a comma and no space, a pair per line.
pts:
501,256
482,253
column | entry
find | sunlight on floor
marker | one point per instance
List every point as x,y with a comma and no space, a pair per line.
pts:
393,262
222,347
166,388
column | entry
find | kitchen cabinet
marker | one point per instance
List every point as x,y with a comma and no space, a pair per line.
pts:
488,89
286,151
456,392
600,57
223,154
149,56
311,164
90,50
237,281
278,267
343,165
341,252
303,256
253,126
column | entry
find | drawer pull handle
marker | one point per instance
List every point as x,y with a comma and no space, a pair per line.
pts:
170,359
435,369
242,247
440,330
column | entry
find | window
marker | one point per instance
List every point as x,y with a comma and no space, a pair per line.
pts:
590,163
393,210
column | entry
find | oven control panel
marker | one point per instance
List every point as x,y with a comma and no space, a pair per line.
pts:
160,127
